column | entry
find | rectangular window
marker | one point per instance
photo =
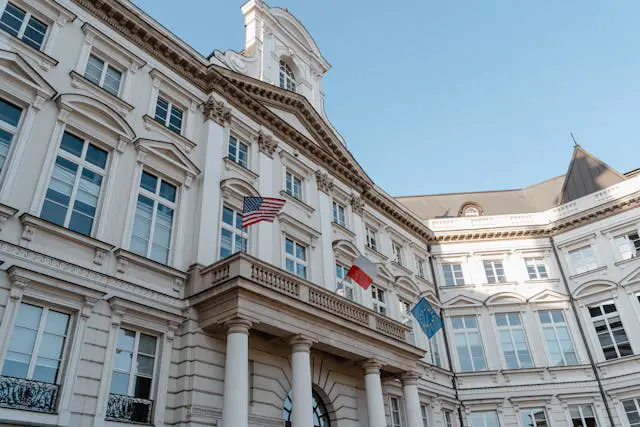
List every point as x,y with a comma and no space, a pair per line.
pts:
37,344
536,268
395,412
295,258
556,334
293,185
423,411
583,260
406,317
434,350
628,245
233,238
372,238
468,343
420,267
448,419
378,300
23,25
339,216
484,419
632,409
533,417
74,188
453,275
611,334
169,115
494,271
153,222
582,416
396,249
513,341
9,120
238,152
346,290
103,74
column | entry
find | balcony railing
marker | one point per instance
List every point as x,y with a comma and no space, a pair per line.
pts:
278,280
128,409
19,393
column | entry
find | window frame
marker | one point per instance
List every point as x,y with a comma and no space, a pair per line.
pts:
465,331
636,402
533,264
448,418
396,252
484,413
106,64
286,76
580,407
606,317
244,233
634,245
425,415
510,329
420,267
134,357
530,412
346,281
555,327
395,411
170,106
379,300
28,15
294,175
452,265
371,237
587,267
493,266
339,213
294,258
14,132
235,157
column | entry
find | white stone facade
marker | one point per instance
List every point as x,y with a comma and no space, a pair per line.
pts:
125,156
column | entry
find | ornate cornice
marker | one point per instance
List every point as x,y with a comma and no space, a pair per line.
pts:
325,182
267,144
216,110
357,204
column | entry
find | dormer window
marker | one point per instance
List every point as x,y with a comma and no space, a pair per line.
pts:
287,77
23,25
470,209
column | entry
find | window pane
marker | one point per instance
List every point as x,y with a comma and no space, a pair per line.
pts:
112,81
142,388
175,120
96,156
145,365
126,339
16,364
9,113
72,144
167,191
147,344
162,234
93,72
148,182
58,195
142,226
34,33
119,383
46,370
11,19
289,246
84,208
5,143
51,346
162,107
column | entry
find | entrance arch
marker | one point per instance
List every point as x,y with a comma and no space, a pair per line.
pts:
320,412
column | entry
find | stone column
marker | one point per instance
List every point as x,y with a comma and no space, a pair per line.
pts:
235,411
373,389
412,399
301,394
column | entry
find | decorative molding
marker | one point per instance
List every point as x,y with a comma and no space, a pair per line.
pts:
357,204
217,111
325,182
6,212
267,143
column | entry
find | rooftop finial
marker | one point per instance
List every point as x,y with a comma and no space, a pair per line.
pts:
575,143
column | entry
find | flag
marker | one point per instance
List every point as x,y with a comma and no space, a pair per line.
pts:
427,317
363,272
256,209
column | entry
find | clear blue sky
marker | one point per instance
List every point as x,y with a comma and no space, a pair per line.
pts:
440,96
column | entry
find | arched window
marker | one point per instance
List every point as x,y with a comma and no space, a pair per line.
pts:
470,209
287,77
320,413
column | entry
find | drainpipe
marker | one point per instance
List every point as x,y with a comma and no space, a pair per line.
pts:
446,340
582,333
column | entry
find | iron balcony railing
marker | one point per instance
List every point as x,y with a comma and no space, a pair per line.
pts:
129,409
20,393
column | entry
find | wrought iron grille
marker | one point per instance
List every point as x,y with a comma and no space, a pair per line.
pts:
129,409
19,393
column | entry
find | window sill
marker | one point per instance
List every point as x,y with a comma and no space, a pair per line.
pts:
184,143
401,267
125,257
6,212
31,223
586,273
118,104
338,228
540,281
378,255
246,173
498,284
626,261
299,203
465,286
43,60
24,417
629,358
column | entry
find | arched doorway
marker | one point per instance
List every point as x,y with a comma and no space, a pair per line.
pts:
320,413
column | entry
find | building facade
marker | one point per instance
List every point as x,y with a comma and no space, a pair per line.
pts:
130,293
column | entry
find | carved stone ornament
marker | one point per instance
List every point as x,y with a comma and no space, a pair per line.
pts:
216,110
357,204
267,144
325,182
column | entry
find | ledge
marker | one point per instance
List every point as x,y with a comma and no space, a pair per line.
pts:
378,255
341,228
117,103
6,212
540,281
246,173
45,61
30,223
297,202
586,273
125,257
626,261
186,144
402,267
499,284
619,360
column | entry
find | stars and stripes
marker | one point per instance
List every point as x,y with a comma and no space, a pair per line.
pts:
256,209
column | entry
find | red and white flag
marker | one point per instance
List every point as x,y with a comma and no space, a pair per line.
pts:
363,272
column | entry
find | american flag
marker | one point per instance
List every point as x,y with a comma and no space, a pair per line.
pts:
256,209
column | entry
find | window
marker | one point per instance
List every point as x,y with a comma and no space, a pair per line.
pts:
470,211
556,334
434,350
632,409
395,412
167,114
453,275
484,419
423,411
287,78
37,344
238,152
294,185
378,300
132,375
23,25
153,222
74,188
513,341
533,417
103,75
339,216
233,238
583,259
396,249
372,239
582,416
466,337
346,289
613,339
536,268
406,317
494,271
448,419
420,267
628,245
296,258
321,416
9,120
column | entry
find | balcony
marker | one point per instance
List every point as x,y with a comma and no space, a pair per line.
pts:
281,304
129,409
19,393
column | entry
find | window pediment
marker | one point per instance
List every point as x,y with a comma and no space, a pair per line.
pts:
177,93
593,288
16,72
632,278
462,301
167,158
235,190
113,50
505,298
408,286
547,296
346,249
298,230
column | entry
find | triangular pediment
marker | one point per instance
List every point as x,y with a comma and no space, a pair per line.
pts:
505,298
632,278
14,67
384,273
293,121
170,154
547,296
593,288
461,301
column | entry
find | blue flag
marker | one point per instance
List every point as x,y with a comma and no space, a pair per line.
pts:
427,317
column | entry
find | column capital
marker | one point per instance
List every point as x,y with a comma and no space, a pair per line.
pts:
371,366
238,326
300,343
410,378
